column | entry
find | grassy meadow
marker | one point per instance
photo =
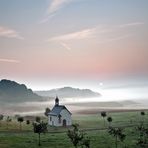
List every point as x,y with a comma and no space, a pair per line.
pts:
92,124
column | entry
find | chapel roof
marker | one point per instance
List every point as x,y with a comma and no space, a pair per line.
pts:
57,110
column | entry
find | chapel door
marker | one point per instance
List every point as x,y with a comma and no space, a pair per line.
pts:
64,123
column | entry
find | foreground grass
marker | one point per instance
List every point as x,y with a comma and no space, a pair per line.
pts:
14,138
99,139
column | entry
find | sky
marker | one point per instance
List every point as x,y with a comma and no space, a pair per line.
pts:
96,44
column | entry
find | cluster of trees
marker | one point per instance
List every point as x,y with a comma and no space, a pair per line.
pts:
110,119
19,119
119,134
8,119
79,138
38,125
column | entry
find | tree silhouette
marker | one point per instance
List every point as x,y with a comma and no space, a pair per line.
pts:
142,140
1,118
38,119
20,120
27,122
117,133
142,114
85,141
103,114
77,137
39,128
47,110
109,119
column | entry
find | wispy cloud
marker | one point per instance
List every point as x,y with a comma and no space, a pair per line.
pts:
103,34
79,35
9,33
119,32
44,20
66,46
54,6
9,60
131,24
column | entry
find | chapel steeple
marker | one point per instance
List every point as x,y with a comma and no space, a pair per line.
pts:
57,101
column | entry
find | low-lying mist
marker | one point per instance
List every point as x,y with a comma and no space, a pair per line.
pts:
75,105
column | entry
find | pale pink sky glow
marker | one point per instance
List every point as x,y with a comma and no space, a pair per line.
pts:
53,43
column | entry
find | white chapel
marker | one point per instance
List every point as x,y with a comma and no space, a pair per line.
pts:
59,115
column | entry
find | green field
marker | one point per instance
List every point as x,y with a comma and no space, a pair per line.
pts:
57,137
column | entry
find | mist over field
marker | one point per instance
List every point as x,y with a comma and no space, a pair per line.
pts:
75,105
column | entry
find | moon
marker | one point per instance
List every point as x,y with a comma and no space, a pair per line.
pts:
101,84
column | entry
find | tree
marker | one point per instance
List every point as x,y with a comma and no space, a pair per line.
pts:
103,114
47,110
142,140
20,120
75,135
78,138
1,118
109,119
142,114
38,119
27,122
39,128
85,142
117,133
8,119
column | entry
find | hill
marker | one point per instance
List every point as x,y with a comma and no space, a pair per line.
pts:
69,92
10,91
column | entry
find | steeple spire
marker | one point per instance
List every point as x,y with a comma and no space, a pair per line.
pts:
57,101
